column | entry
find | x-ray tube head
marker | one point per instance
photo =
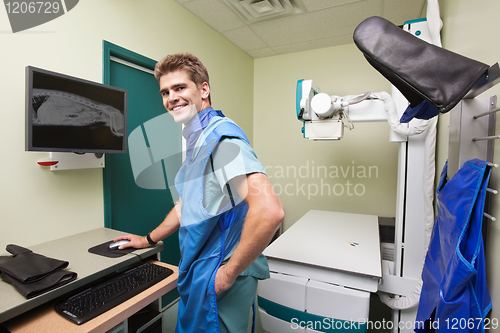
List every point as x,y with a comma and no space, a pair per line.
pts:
324,117
324,106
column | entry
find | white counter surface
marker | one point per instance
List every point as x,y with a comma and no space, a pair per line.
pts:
331,240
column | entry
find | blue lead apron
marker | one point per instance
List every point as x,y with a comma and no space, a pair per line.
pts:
204,239
454,291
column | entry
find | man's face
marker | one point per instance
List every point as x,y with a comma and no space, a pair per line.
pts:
181,97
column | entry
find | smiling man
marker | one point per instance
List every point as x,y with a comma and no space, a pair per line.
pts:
227,212
182,98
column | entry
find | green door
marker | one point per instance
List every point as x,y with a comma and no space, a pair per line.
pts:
129,207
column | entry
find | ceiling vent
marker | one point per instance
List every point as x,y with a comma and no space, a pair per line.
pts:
252,11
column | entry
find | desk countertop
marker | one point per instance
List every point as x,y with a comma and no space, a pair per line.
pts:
88,266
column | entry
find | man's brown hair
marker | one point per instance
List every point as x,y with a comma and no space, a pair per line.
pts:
183,61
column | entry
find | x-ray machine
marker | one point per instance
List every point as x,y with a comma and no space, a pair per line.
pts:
325,117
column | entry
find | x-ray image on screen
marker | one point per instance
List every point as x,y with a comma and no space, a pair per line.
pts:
59,108
68,114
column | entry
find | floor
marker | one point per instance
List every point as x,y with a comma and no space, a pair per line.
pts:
170,319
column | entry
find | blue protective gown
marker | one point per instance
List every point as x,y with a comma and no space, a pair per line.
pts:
204,239
454,290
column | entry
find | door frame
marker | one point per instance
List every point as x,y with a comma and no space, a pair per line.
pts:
119,53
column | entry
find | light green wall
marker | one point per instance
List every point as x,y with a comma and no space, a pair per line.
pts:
38,205
471,29
279,144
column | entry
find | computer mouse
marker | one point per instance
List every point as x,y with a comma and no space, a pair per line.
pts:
117,244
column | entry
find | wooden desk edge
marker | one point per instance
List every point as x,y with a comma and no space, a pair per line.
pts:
45,319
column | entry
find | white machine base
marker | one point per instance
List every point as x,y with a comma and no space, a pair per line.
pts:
311,290
289,303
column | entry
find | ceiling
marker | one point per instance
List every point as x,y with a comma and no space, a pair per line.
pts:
265,28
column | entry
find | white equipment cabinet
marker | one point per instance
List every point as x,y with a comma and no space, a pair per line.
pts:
323,269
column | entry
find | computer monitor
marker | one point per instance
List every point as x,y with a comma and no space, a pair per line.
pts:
69,114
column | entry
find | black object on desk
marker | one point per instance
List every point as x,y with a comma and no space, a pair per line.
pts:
104,296
31,273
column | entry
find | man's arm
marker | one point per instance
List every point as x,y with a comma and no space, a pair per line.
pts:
265,213
169,225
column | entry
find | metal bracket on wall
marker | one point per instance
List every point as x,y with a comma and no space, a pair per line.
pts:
472,128
472,124
69,161
472,131
488,80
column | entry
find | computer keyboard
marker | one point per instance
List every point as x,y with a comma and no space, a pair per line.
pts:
107,294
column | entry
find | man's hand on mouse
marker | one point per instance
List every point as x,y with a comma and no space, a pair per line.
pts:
138,242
